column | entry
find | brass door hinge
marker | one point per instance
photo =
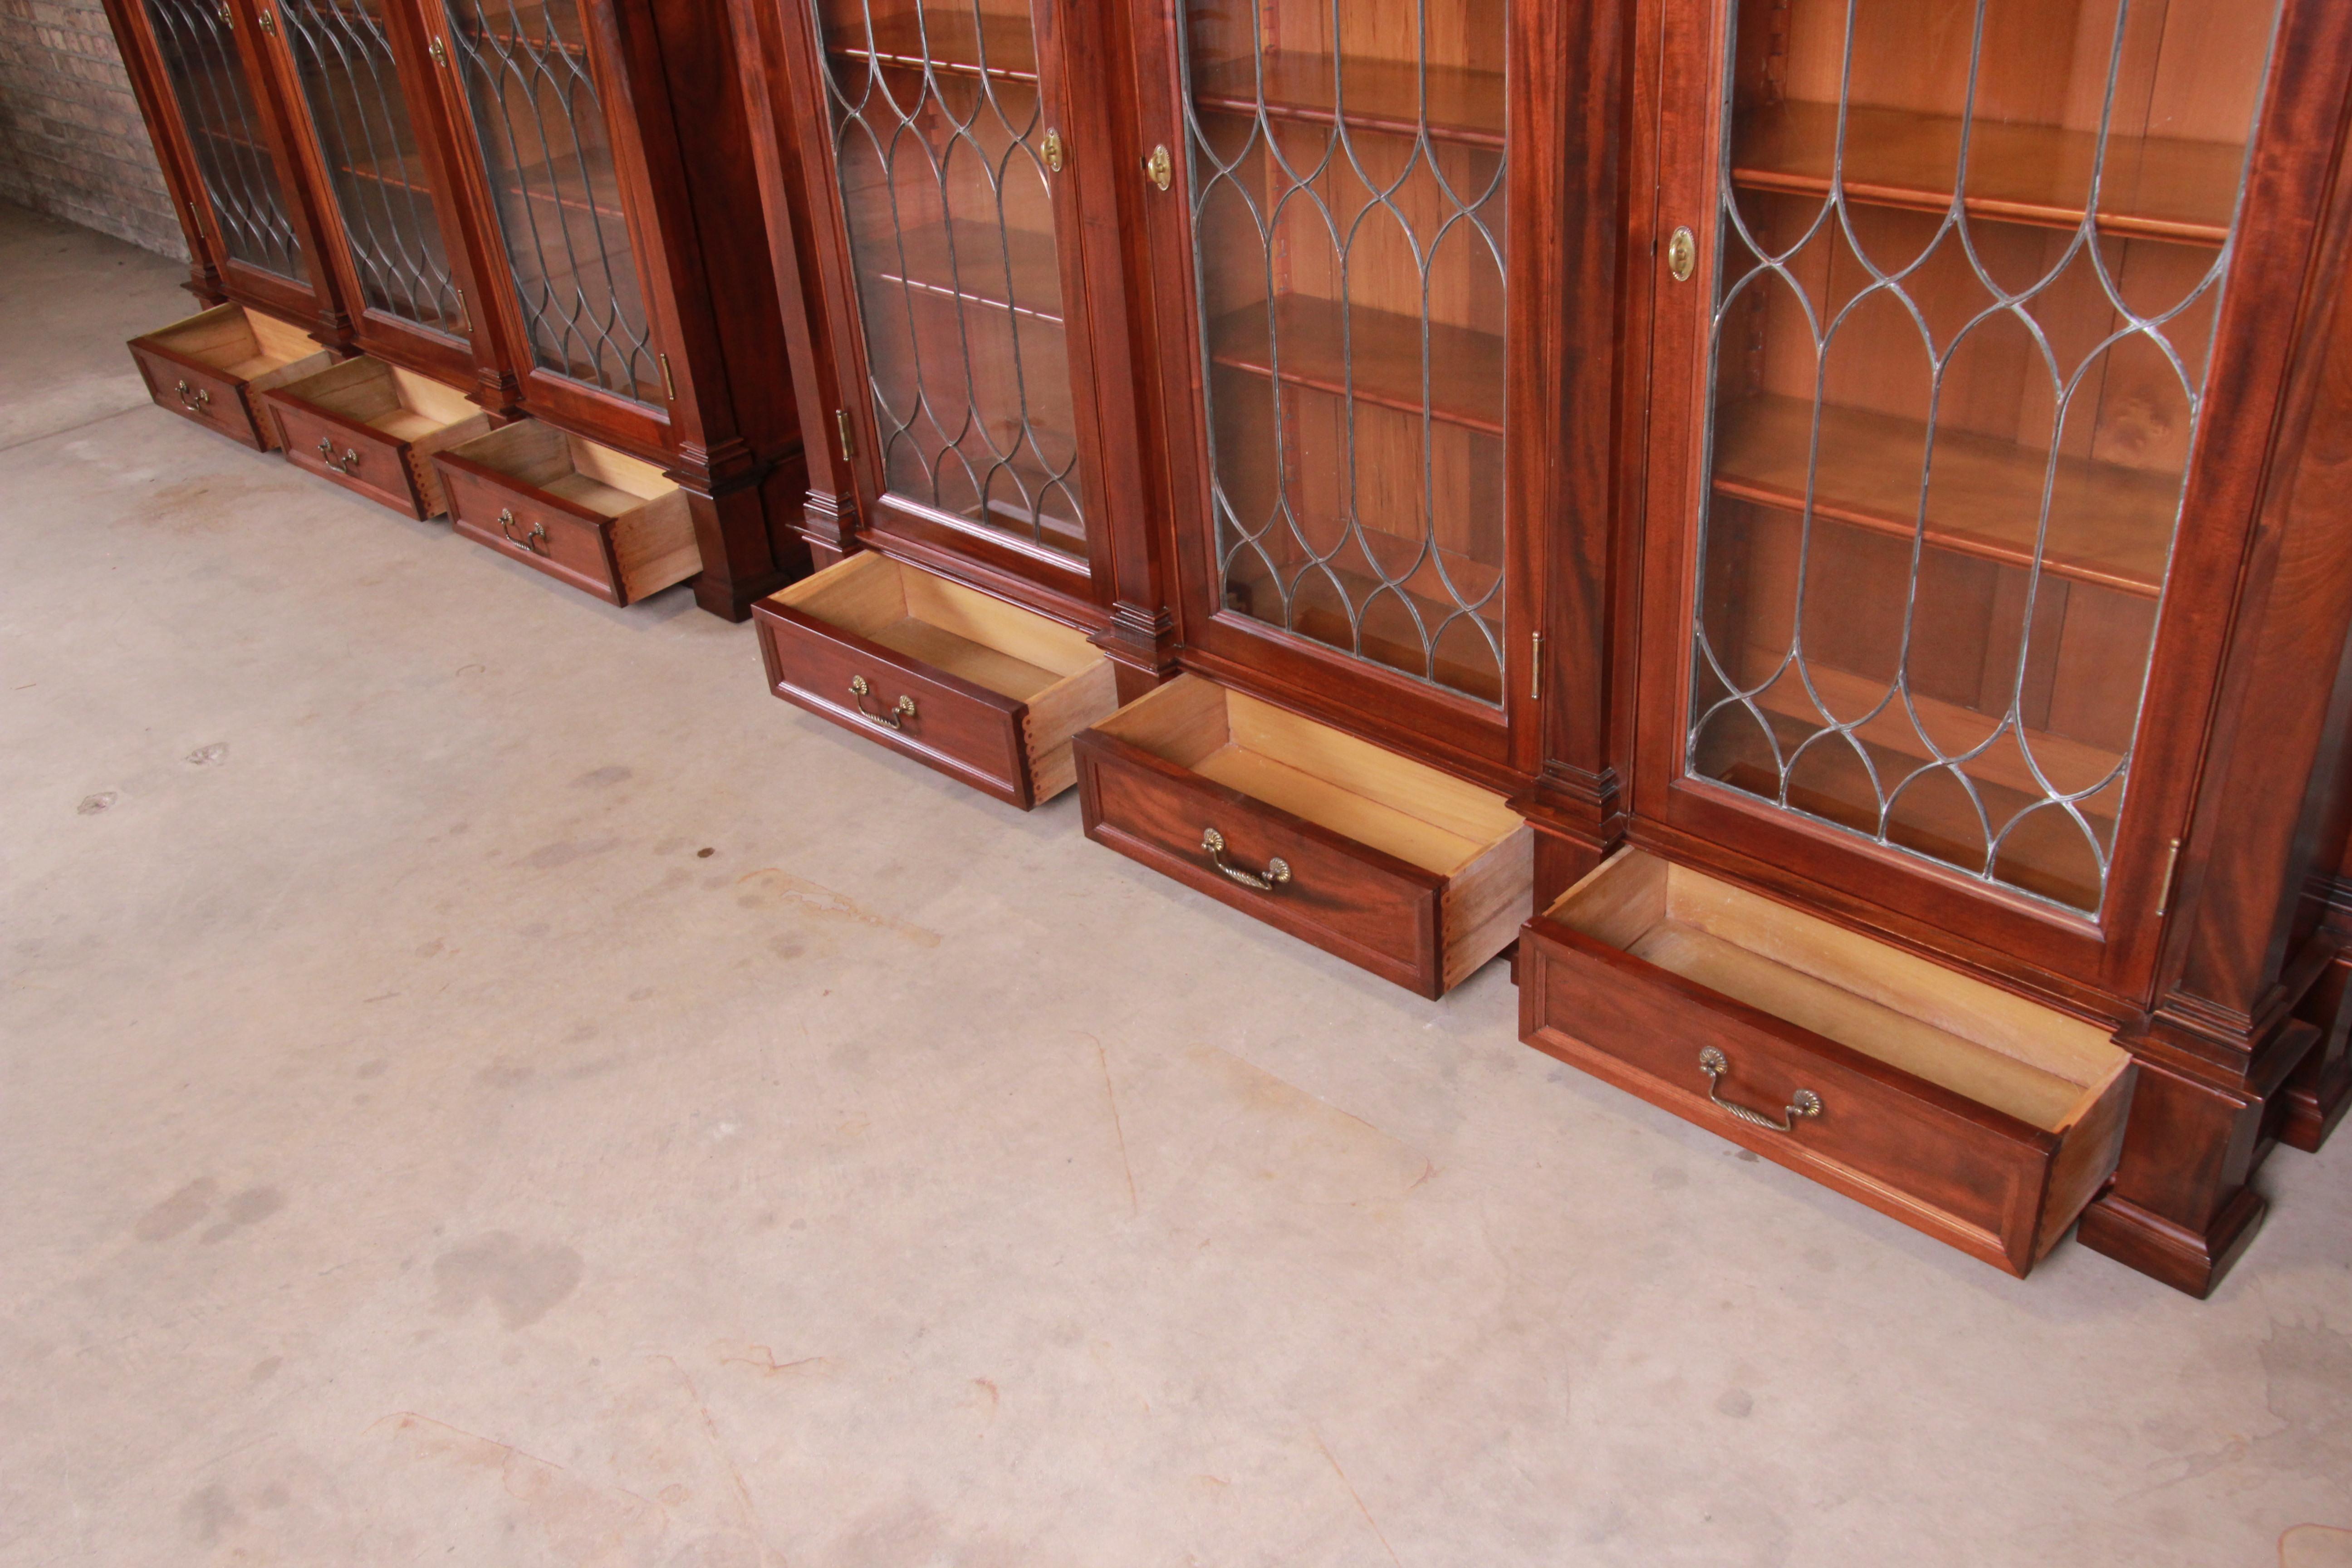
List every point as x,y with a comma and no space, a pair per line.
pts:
848,436
2171,869
1535,679
670,383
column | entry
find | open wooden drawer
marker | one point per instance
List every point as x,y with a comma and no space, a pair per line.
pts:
214,366
1981,1117
372,427
1385,862
984,691
610,524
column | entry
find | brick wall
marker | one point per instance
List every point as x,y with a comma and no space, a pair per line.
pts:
71,142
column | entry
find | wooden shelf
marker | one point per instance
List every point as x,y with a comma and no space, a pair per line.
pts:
958,43
1386,96
559,181
2153,187
396,177
1316,341
2112,526
2070,764
975,270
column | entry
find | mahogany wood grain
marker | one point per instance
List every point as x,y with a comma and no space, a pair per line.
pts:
1375,910
1984,1120
960,727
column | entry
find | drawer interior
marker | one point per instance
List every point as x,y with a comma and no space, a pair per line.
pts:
593,478
400,403
2042,1067
242,344
962,631
1332,779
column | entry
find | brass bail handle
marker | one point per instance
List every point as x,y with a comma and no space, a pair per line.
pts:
343,465
191,397
1277,870
900,711
1802,1104
506,526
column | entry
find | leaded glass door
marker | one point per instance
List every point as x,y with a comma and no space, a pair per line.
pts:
1341,335
195,41
535,92
1949,273
371,162
950,142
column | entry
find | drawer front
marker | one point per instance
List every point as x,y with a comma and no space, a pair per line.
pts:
964,732
373,464
213,401
1347,899
566,546
1937,1161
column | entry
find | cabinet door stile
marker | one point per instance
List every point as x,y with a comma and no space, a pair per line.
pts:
960,154
1355,433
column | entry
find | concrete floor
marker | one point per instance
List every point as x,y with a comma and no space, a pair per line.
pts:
485,1083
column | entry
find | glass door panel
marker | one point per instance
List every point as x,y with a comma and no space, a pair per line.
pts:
548,153
1969,254
1348,188
225,136
940,140
344,63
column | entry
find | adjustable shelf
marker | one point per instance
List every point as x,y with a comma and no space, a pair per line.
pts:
1375,356
958,44
973,262
1391,97
2152,187
2112,526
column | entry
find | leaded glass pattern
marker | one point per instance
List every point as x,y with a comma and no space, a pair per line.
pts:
1969,259
344,63
232,158
1347,173
547,152
940,136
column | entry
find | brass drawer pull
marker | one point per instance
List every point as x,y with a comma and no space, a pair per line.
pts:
538,531
901,710
1277,870
343,465
193,398
1802,1104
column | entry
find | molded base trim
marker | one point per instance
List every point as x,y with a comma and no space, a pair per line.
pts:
2173,1253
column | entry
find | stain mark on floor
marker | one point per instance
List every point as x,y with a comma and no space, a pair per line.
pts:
250,1206
178,1212
772,888
523,1283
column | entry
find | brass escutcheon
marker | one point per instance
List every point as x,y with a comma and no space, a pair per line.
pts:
1682,254
1802,1104
1277,870
1159,167
901,710
1054,150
